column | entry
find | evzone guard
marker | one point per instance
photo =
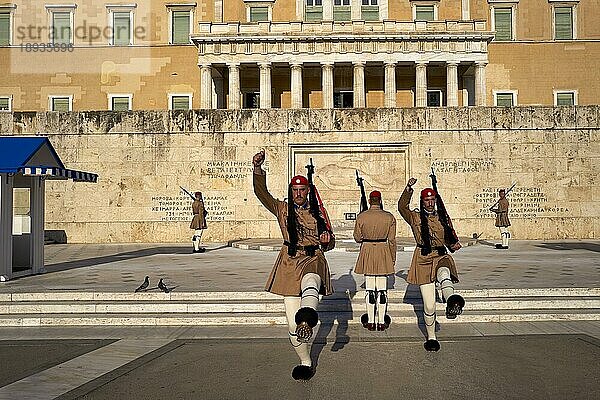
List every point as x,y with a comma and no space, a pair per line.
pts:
300,273
433,232
502,220
375,230
198,223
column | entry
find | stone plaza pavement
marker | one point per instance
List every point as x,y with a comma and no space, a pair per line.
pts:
234,267
79,332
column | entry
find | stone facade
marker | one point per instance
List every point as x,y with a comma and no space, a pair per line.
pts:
143,158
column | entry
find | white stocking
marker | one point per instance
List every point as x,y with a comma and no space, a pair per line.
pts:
381,287
309,286
292,305
505,235
370,296
446,285
428,295
197,237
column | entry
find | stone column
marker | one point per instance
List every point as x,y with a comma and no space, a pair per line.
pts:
480,92
327,84
452,84
265,85
206,86
327,10
421,85
234,87
355,10
359,84
390,85
296,85
465,10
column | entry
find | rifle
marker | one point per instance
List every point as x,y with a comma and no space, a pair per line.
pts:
449,232
188,193
315,204
363,197
505,193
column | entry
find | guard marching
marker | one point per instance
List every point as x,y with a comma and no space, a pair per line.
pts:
502,221
300,273
431,263
198,223
375,230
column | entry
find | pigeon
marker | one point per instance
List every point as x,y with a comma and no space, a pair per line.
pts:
162,286
144,284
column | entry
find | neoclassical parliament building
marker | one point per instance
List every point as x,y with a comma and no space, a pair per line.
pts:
58,55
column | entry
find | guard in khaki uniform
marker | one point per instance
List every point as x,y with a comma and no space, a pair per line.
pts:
198,222
502,221
300,272
430,262
375,230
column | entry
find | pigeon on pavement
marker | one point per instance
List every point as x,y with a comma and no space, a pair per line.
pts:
144,284
162,286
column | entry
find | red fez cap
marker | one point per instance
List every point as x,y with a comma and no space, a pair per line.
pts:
198,193
427,192
375,194
299,180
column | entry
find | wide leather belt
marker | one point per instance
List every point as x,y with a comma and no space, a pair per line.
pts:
374,240
305,248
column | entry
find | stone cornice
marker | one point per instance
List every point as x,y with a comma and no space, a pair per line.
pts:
331,28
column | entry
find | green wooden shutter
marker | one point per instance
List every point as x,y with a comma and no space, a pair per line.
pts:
370,13
121,28
4,29
4,103
181,27
504,100
503,23
424,13
120,103
565,99
60,104
259,14
342,13
180,103
563,20
314,13
61,27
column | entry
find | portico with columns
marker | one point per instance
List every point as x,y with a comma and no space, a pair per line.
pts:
327,64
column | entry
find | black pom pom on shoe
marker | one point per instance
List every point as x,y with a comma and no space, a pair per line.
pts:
302,372
454,306
308,315
432,345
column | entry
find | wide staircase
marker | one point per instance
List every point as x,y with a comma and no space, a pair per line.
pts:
261,308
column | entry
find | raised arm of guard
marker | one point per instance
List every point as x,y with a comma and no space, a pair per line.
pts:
363,197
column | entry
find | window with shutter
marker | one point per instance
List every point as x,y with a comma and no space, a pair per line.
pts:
180,103
4,29
503,24
121,28
342,10
424,13
565,99
59,104
563,23
61,27
4,103
120,103
181,27
259,14
504,100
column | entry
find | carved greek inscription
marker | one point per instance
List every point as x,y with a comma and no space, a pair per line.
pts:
229,169
455,165
179,208
524,202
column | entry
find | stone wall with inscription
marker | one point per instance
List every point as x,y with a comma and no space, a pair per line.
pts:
145,158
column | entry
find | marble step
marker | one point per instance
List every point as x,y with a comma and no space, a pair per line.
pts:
237,319
413,293
276,306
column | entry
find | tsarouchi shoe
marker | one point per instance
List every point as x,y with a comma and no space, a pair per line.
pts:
432,345
302,372
454,306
